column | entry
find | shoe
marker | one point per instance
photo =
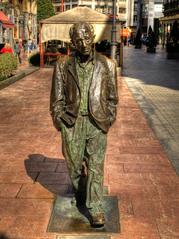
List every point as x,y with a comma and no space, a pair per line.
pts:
97,220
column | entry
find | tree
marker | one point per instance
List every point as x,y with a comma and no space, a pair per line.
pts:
44,9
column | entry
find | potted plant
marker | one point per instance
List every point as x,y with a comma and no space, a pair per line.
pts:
151,41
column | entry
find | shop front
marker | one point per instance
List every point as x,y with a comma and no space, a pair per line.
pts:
6,29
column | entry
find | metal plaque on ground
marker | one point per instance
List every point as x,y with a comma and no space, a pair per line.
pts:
83,237
66,218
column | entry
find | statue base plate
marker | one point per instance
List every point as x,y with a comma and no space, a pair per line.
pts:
67,219
83,237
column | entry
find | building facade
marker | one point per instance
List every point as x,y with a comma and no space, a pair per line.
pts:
127,11
171,14
151,11
23,13
103,6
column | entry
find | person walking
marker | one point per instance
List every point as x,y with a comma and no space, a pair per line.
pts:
18,50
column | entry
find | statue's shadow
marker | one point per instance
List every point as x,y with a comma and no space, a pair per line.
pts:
52,174
3,236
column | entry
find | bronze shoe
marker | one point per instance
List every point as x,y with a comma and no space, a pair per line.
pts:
97,220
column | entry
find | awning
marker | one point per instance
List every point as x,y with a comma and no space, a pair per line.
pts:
57,27
169,18
6,23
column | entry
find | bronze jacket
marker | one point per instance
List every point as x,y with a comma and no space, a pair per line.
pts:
65,93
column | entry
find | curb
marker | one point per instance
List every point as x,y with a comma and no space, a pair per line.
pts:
13,79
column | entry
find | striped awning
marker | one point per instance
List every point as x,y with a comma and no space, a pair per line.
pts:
6,23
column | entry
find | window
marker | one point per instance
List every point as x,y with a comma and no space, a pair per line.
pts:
122,10
135,18
67,7
58,9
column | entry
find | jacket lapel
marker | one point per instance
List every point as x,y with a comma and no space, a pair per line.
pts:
96,71
72,69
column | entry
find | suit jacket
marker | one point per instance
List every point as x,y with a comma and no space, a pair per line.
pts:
65,93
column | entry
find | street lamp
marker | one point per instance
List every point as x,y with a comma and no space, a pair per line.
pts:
113,32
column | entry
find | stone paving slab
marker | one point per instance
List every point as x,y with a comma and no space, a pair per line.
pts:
137,169
21,73
153,81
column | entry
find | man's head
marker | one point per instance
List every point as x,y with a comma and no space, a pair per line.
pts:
82,36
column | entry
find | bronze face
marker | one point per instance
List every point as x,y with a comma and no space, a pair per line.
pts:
82,36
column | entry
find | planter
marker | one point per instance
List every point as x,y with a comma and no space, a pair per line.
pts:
172,55
172,51
151,50
138,46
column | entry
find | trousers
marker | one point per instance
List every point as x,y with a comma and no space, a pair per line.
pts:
85,141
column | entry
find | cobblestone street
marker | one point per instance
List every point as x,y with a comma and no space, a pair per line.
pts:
137,169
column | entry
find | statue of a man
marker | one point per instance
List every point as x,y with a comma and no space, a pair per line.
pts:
83,107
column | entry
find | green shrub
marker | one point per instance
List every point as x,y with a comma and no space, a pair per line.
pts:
8,64
35,59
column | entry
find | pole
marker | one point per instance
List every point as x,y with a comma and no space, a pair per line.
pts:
139,14
62,5
121,49
41,48
113,33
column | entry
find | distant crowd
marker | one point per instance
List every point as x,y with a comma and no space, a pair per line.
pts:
19,48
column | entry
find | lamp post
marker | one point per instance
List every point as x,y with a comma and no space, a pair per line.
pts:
113,32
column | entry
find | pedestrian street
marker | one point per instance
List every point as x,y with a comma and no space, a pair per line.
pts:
137,169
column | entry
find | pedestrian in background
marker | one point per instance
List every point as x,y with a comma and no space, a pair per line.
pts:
29,45
18,50
32,46
7,49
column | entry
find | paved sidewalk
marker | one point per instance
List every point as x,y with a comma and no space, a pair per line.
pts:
23,70
137,169
154,81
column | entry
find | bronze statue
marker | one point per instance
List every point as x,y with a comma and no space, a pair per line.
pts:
83,107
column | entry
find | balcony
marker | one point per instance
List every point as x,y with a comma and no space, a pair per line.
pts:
171,8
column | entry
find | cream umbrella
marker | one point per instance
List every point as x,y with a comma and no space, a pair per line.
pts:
57,27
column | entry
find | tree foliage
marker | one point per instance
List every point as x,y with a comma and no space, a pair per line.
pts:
35,59
44,9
